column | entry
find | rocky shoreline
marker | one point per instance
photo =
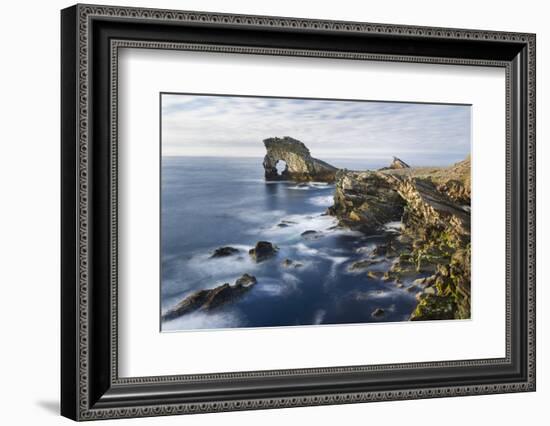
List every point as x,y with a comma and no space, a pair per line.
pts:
433,206
427,253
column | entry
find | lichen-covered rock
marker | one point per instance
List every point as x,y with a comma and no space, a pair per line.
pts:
262,251
365,201
433,207
210,299
300,165
434,307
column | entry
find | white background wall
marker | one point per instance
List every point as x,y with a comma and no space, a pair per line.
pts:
29,211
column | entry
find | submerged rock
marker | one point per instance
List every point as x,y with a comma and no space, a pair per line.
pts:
289,263
311,235
224,252
262,251
361,265
210,299
378,313
375,275
300,165
246,281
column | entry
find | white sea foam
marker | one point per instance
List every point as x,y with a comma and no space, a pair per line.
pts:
322,200
311,185
295,225
336,261
319,316
203,320
301,248
277,287
395,226
258,217
367,248
372,295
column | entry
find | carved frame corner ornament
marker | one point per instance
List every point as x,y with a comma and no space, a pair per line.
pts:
91,38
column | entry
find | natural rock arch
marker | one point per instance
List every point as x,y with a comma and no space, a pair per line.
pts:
300,165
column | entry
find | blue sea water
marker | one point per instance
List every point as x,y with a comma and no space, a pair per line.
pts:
209,202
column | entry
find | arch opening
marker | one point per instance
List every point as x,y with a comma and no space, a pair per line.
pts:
281,167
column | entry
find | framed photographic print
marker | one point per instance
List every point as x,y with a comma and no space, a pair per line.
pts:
263,212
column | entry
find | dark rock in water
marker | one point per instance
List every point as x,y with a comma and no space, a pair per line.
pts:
378,313
361,265
310,234
375,275
300,165
224,251
189,304
211,299
379,250
289,263
388,276
246,281
262,251
286,223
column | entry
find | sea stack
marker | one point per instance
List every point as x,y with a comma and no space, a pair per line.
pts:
300,165
397,163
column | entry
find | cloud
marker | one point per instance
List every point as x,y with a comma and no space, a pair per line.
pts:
208,125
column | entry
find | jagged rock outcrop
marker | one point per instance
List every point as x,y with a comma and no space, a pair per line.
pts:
300,165
396,164
433,205
210,299
365,200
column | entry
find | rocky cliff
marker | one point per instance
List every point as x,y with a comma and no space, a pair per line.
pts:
300,165
433,205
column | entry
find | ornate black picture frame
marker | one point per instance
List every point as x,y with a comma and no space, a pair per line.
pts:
91,387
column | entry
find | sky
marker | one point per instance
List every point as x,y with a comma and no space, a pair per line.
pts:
419,134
